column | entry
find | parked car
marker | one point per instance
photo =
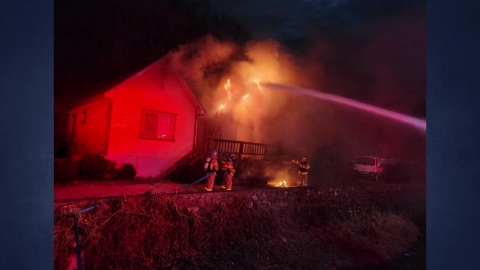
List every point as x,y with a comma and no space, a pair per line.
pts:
369,166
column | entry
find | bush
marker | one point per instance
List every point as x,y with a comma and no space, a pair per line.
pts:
96,167
127,171
64,171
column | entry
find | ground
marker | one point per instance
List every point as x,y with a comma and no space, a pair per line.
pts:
81,189
89,189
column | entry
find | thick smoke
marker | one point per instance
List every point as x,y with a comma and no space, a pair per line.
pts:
227,78
385,69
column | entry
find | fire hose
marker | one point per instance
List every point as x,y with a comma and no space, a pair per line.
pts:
183,186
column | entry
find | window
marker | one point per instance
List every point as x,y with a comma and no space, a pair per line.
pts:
158,125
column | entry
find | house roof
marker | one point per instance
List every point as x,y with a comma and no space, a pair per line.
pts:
158,63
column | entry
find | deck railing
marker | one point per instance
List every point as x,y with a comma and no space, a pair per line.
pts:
228,146
245,148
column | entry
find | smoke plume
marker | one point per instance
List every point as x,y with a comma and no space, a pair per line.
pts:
386,68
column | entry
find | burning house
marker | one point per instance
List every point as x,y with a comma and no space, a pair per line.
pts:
155,122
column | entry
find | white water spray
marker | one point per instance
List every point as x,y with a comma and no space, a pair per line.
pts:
419,123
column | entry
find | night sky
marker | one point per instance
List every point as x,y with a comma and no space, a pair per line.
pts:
288,19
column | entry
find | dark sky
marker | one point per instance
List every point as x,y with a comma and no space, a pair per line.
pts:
282,19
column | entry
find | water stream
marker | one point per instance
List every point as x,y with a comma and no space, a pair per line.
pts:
418,123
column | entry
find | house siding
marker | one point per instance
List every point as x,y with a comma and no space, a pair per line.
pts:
153,90
91,136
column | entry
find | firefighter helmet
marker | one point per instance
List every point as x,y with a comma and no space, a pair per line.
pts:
214,153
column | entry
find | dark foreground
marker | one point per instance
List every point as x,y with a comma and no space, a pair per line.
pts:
413,259
385,231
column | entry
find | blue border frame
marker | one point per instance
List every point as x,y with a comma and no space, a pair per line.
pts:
453,135
26,143
26,137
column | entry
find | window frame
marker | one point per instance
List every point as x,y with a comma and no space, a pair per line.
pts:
84,117
158,113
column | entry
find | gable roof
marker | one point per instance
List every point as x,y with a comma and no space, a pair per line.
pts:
158,63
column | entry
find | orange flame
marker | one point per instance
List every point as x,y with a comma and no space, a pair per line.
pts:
227,87
258,85
281,184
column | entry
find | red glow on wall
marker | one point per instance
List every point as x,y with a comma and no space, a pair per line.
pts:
115,123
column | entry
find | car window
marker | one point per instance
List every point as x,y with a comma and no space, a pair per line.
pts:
366,161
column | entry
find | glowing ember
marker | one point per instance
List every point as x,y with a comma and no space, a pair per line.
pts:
221,107
419,123
281,184
245,97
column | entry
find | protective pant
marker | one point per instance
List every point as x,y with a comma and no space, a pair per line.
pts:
228,181
210,181
302,179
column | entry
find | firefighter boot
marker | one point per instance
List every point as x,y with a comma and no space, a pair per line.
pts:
228,181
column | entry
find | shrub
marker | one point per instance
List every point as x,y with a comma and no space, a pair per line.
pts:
96,167
127,171
64,171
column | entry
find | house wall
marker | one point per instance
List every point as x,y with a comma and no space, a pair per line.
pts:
157,91
202,130
90,136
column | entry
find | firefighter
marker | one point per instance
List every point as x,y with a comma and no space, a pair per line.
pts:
211,166
229,171
303,168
